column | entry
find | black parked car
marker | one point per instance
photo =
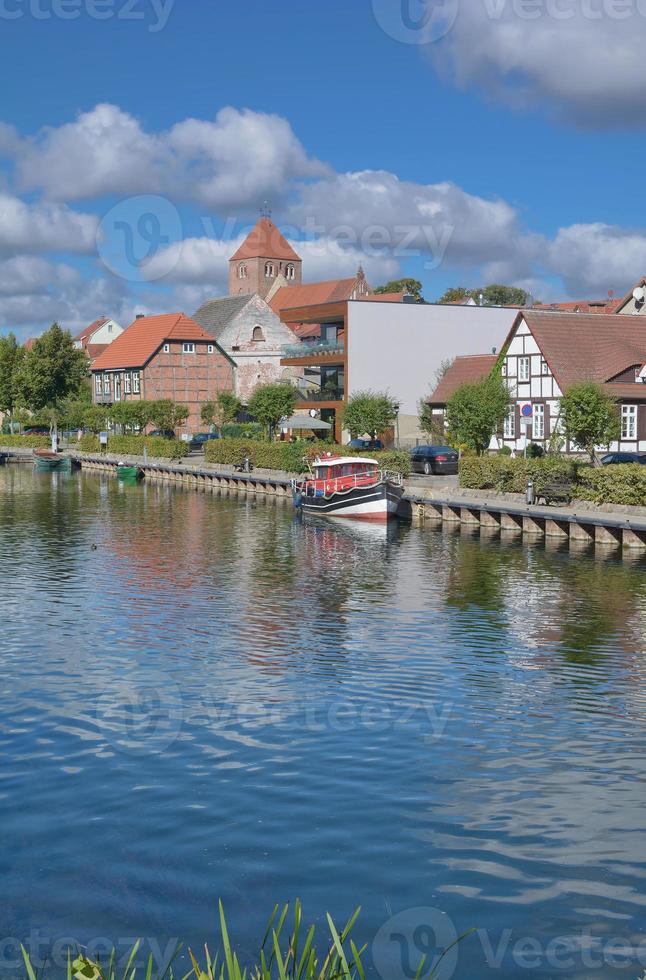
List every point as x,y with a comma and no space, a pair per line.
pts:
434,459
611,459
199,440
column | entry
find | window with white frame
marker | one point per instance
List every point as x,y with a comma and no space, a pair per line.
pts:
127,383
106,384
270,272
544,366
628,421
188,348
210,349
117,387
98,384
510,424
135,383
166,348
242,271
290,272
539,422
523,369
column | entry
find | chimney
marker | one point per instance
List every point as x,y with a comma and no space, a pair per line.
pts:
140,316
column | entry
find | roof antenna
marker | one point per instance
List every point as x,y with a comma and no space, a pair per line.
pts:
265,211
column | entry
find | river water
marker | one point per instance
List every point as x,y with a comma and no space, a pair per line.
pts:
202,698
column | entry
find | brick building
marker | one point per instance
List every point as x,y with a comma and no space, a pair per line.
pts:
98,336
264,258
169,356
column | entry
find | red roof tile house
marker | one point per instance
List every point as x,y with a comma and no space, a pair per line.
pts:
546,353
98,336
168,356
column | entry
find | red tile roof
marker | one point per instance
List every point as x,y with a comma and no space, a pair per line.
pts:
580,306
95,350
586,346
313,294
384,297
265,241
627,391
464,370
88,331
136,345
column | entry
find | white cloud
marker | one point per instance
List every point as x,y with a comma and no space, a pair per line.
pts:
44,227
234,161
593,258
583,58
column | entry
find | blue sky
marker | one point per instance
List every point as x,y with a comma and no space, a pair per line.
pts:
495,145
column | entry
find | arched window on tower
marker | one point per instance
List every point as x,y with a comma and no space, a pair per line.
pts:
257,334
290,272
242,271
270,272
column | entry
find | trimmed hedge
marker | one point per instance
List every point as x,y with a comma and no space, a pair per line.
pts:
290,456
156,446
622,485
25,442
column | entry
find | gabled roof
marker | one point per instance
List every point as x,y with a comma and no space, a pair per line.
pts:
586,346
313,294
88,331
216,314
578,306
384,297
464,370
265,241
137,344
640,284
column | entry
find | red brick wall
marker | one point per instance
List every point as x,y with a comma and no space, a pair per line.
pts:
256,281
190,379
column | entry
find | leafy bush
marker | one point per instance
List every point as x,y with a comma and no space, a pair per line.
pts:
507,475
156,447
291,456
242,430
623,485
25,442
504,451
534,451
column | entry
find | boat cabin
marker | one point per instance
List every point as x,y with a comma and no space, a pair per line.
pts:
335,468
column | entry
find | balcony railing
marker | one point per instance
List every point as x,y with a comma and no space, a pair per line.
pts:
305,350
320,395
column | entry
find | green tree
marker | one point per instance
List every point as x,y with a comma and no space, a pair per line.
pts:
369,413
51,372
272,402
589,417
11,355
476,411
222,411
454,295
492,295
411,286
166,414
95,418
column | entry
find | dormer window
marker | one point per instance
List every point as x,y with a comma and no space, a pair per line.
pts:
242,271
290,272
257,334
270,270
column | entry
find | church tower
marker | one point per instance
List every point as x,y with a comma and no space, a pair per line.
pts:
264,255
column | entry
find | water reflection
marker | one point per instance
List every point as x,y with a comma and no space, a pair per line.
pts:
224,700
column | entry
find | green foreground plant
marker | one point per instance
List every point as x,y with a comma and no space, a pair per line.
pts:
286,953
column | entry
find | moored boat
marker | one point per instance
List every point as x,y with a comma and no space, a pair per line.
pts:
47,460
129,472
347,486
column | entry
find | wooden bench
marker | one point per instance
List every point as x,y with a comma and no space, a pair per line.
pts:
560,491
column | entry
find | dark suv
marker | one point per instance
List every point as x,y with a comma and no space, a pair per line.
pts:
434,459
611,459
